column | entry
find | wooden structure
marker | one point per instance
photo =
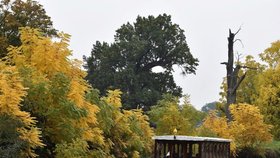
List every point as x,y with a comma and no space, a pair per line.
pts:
191,147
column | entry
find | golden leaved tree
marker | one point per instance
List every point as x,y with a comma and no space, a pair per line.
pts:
168,115
247,129
261,85
73,120
127,132
56,93
23,131
269,89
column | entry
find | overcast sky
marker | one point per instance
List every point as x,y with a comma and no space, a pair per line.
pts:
206,24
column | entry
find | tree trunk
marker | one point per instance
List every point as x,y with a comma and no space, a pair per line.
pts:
233,81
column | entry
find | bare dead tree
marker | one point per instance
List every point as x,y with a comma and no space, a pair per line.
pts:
233,80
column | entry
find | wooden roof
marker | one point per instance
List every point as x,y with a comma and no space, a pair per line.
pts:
190,138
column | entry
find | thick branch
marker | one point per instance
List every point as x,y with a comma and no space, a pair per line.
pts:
224,63
239,82
236,70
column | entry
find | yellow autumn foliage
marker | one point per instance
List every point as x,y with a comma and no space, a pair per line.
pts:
246,130
127,132
272,55
220,127
168,115
114,98
248,126
12,93
44,65
59,97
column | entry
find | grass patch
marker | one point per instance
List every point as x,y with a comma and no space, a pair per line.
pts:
274,145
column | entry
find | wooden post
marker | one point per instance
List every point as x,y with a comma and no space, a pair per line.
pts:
164,148
200,147
155,150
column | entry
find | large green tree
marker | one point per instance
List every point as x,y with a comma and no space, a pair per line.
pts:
18,13
127,63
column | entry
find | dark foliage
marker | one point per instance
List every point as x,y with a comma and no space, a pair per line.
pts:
19,13
127,63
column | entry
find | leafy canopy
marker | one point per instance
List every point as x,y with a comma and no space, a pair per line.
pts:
18,13
260,87
268,87
247,130
115,125
55,113
56,94
168,115
127,132
127,63
19,135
